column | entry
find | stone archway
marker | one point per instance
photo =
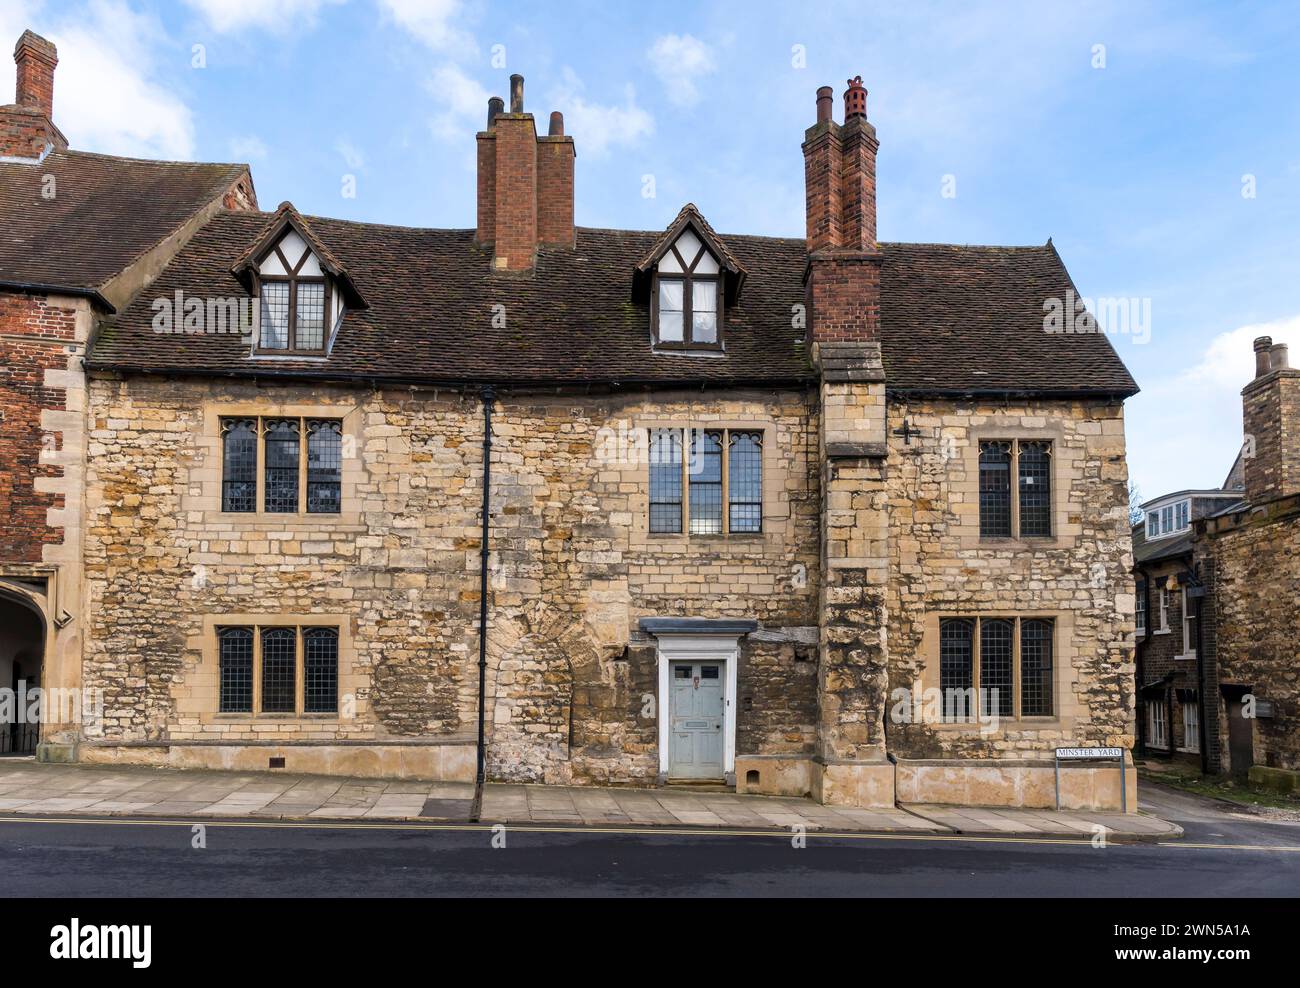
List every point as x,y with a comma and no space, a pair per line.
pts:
23,641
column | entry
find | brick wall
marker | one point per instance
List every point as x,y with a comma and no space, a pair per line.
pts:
35,334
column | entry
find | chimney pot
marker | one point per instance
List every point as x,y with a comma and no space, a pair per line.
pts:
516,93
557,124
855,99
1278,357
496,106
825,100
1262,358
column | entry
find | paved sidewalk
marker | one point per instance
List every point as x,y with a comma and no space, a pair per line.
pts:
29,787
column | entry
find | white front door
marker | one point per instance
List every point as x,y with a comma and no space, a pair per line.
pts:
697,716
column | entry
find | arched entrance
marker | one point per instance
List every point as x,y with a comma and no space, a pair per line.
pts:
22,653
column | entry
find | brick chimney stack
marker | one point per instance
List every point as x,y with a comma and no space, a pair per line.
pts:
1271,416
525,184
843,284
27,125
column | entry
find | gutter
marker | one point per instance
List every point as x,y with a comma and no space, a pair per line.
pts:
480,775
40,288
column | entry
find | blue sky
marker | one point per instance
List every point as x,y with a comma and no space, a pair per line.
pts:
1126,132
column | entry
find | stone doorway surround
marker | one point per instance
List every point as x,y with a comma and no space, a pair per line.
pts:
698,640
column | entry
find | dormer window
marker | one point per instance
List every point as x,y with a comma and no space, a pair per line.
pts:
295,298
302,287
690,278
688,310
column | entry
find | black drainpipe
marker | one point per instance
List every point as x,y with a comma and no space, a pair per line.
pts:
480,775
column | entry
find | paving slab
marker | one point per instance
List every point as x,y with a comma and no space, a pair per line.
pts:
36,788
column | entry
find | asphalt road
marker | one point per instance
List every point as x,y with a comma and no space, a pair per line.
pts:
1222,855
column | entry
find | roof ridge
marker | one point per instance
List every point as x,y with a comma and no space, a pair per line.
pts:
148,161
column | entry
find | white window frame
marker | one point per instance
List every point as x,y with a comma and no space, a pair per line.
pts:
1189,646
1163,600
1191,726
1153,524
1157,729
1140,611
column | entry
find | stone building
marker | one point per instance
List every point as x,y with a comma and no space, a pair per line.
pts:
1248,559
821,515
1217,584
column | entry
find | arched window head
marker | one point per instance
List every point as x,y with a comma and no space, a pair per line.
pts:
687,310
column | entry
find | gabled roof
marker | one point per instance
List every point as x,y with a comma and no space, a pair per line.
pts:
953,319
690,217
76,220
286,218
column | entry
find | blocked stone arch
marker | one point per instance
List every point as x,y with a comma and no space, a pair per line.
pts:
534,657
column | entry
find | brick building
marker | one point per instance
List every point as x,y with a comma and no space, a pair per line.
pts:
735,509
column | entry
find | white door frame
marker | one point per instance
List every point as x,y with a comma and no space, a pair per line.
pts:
720,648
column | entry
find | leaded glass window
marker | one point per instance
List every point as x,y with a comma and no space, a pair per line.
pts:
705,471
324,465
320,670
1036,668
235,672
713,476
275,315
687,308
956,667
309,328
279,663
281,473
239,465
996,674
995,489
1035,489
745,482
665,480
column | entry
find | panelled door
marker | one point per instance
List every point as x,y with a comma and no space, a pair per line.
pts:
697,717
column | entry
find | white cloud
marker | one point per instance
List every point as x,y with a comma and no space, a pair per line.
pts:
431,22
463,100
1229,361
680,61
279,17
596,127
352,155
250,147
1185,429
106,97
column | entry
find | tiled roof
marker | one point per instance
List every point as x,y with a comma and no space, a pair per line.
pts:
1158,549
77,219
954,318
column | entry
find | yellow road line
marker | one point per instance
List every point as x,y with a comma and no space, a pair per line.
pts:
1081,841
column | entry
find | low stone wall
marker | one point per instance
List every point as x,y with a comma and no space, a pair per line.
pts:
453,761
1005,782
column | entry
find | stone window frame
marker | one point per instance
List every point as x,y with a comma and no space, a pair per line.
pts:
1065,458
771,473
205,478
1065,654
201,700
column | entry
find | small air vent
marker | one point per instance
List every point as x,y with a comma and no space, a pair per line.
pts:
276,762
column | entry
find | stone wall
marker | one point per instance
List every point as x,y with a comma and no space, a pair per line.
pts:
573,568
1079,576
1252,562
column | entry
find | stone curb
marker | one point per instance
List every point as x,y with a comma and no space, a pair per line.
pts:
936,830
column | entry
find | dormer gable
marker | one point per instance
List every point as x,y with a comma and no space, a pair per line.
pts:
690,278
303,288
